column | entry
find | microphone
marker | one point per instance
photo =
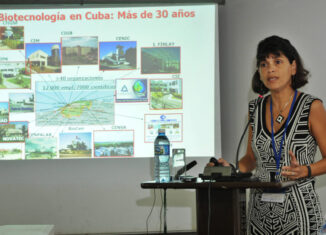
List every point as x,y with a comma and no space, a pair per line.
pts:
260,98
185,168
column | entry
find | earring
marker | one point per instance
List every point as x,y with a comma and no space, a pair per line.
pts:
293,76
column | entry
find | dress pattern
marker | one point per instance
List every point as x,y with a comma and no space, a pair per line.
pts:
300,213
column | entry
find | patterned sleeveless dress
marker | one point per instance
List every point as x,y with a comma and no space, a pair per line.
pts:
300,213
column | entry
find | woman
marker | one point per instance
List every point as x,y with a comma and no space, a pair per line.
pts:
285,129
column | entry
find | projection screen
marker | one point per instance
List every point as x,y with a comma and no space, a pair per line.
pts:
98,82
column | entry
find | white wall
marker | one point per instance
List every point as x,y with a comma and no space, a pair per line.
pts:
100,195
89,196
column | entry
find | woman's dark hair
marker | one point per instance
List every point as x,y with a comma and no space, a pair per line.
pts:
276,45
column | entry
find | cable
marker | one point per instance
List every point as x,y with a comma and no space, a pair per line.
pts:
209,207
161,210
150,212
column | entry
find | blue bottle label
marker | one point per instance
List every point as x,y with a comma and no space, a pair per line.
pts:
162,149
323,229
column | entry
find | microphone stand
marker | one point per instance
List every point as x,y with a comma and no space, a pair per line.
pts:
237,171
220,173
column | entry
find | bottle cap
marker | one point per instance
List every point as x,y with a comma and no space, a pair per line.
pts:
161,130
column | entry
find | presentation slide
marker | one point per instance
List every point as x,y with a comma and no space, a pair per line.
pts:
88,82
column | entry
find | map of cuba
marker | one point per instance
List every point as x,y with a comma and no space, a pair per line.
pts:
75,103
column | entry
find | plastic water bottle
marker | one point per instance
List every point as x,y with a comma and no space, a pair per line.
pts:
323,229
162,157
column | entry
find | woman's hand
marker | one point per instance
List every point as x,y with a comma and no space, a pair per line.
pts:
294,171
223,162
220,161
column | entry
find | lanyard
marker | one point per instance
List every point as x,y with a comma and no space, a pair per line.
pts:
278,154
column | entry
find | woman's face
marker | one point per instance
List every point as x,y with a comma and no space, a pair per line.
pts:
276,72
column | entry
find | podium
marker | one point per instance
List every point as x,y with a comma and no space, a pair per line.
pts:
223,202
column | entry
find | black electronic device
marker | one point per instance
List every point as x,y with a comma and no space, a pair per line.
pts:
224,173
188,178
214,161
184,169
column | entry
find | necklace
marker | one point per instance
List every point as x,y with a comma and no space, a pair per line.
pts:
279,153
280,117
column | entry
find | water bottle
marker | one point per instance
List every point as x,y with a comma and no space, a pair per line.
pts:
162,157
323,229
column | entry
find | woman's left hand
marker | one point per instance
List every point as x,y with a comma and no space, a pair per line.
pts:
295,170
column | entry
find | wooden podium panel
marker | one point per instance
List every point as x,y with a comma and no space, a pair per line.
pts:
227,207
227,210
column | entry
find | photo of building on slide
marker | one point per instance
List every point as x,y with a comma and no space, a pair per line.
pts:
21,102
14,75
79,50
4,112
43,57
74,103
41,148
11,38
14,132
166,94
160,60
11,151
114,143
75,145
118,55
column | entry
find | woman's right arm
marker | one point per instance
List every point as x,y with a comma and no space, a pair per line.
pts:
248,161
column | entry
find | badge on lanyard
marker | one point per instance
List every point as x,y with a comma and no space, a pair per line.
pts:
273,197
277,196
